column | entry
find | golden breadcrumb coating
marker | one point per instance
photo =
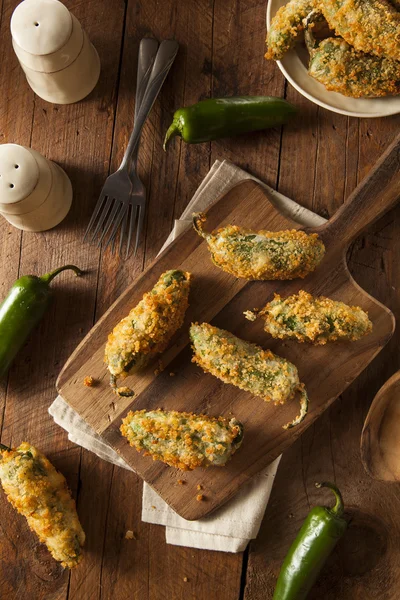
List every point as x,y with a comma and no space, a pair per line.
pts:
247,366
183,440
286,27
149,327
371,26
39,492
342,69
305,318
262,255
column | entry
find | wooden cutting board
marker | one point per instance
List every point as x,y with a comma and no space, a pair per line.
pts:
219,297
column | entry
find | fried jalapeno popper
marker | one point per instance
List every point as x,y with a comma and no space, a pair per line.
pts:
286,27
341,68
262,255
40,493
371,26
247,366
303,318
183,440
148,328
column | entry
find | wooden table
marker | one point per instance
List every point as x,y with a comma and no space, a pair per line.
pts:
317,160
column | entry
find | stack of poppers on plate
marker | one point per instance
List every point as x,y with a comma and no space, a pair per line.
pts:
354,45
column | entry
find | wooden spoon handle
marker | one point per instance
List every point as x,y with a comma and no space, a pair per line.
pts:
377,193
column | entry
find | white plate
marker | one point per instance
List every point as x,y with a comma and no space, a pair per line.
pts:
294,67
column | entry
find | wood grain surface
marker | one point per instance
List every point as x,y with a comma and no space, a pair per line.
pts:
317,160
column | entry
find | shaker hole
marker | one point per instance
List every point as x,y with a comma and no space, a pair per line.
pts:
16,166
36,24
11,185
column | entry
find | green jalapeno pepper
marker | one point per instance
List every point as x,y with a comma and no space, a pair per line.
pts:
224,117
315,541
22,309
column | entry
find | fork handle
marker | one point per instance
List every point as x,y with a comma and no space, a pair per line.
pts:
147,53
162,64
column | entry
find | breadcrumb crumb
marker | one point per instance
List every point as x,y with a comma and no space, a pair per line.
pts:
160,368
89,381
130,535
199,497
250,315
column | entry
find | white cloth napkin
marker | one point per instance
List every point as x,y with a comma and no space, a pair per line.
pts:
231,527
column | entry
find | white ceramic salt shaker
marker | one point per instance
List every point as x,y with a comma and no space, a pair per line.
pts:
60,63
35,193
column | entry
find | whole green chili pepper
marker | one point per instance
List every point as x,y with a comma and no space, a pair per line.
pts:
22,309
224,117
316,539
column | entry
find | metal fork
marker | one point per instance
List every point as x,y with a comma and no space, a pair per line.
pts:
123,197
147,53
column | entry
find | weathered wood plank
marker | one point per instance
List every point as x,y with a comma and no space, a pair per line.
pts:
69,135
16,98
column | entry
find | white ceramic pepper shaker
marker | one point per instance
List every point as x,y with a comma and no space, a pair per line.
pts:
60,63
35,193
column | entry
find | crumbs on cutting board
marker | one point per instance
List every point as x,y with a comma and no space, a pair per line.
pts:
250,315
200,497
185,579
160,368
199,486
89,381
130,535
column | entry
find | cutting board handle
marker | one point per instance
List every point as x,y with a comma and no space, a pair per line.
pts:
377,193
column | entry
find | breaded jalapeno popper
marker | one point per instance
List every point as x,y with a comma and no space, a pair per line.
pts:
342,69
183,440
286,27
39,492
262,255
318,320
247,366
148,328
371,26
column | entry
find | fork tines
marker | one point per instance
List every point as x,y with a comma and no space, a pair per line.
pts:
110,216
